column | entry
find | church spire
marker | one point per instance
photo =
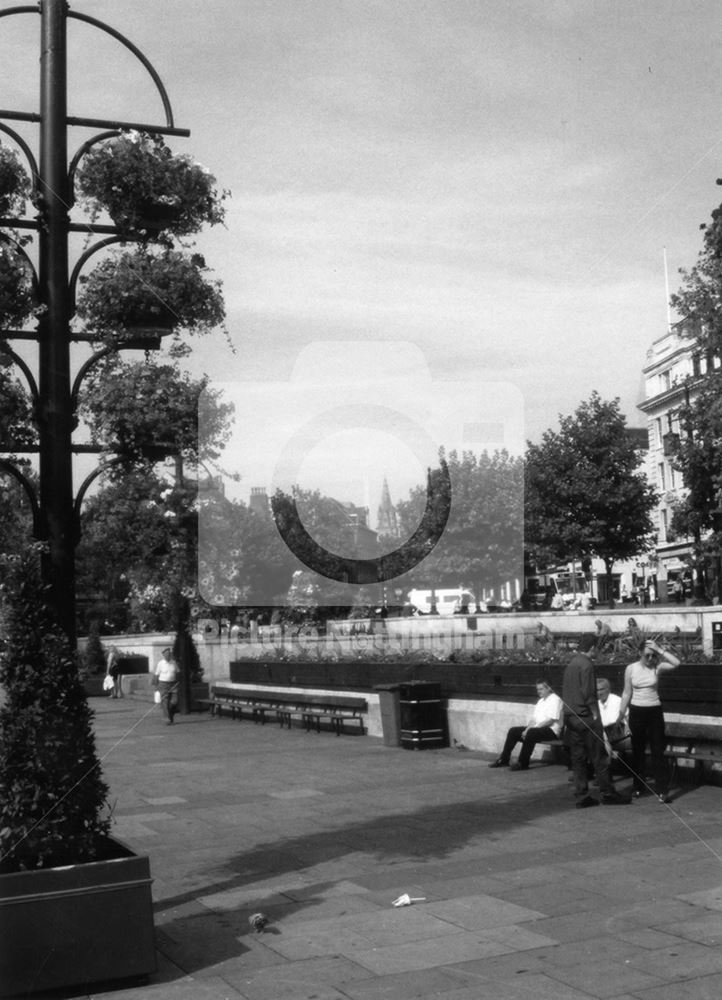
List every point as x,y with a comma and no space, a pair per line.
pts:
386,520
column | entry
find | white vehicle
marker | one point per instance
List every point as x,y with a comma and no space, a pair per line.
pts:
449,601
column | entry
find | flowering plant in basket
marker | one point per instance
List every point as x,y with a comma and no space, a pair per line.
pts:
14,183
146,188
163,290
17,296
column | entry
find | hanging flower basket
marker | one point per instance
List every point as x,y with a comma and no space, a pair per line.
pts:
147,189
17,296
144,409
145,291
14,183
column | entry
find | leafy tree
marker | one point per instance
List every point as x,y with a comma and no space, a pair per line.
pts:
144,410
698,450
123,533
481,545
242,559
698,456
698,299
585,492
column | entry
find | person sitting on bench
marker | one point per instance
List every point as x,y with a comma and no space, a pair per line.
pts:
617,737
544,724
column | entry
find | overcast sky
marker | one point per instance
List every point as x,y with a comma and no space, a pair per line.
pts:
493,182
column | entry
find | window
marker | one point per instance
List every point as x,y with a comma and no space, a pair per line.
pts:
665,523
664,379
661,476
658,431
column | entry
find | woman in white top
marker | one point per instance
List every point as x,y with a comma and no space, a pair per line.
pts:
646,719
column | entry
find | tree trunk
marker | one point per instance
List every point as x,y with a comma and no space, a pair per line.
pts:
608,566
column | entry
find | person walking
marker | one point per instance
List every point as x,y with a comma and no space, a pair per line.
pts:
113,671
584,730
545,724
166,680
646,718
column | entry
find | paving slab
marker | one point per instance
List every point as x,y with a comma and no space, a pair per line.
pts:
525,898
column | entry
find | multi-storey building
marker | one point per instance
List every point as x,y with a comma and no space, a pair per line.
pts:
674,363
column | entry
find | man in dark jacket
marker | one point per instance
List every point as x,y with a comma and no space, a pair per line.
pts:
583,728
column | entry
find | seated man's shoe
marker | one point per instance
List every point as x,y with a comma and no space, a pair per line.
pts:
498,763
615,799
587,802
519,767
665,797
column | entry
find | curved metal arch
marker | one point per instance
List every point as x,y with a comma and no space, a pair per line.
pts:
83,371
359,571
84,487
20,10
34,172
85,257
12,470
138,54
82,150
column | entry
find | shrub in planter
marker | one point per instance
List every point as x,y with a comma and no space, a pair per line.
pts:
17,297
146,188
94,656
165,290
53,800
14,183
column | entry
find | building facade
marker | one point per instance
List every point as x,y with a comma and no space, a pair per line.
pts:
674,363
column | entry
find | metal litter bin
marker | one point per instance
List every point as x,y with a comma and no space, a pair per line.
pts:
422,720
390,713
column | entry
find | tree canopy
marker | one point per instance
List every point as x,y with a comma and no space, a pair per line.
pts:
699,299
586,494
482,542
698,448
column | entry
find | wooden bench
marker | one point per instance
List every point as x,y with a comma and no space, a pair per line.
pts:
310,709
700,743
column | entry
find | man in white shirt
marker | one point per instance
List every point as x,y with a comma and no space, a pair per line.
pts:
166,674
545,724
616,734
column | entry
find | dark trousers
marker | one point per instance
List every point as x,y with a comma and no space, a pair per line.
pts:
533,736
586,744
647,727
167,694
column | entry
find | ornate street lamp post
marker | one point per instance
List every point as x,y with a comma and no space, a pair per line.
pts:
55,509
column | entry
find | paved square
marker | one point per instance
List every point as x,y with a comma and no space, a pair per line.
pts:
525,898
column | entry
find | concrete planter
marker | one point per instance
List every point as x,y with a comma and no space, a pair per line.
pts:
76,925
